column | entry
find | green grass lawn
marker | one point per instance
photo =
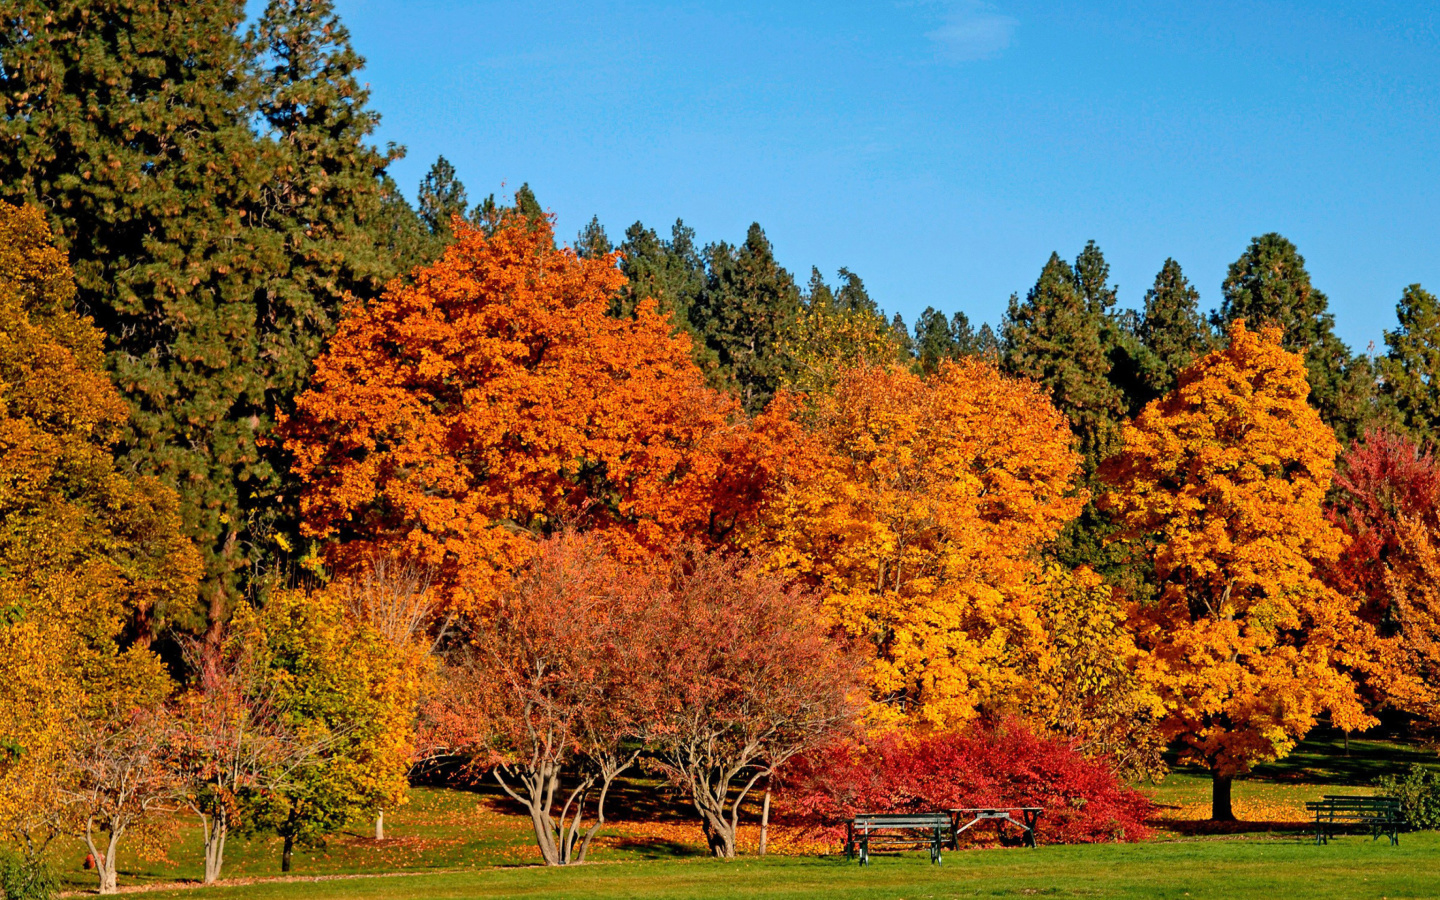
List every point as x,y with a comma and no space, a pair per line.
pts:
473,843
1272,869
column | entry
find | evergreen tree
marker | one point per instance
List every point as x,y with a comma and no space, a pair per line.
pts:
851,295
137,138
526,203
934,340
399,232
1411,364
901,333
1269,284
1061,336
748,305
592,242
671,272
1171,330
986,343
441,198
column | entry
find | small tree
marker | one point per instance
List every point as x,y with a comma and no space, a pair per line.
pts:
748,677
230,743
122,771
552,687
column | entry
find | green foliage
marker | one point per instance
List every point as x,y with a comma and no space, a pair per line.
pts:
441,198
24,877
1061,336
592,242
1418,791
1269,284
212,256
1172,331
1412,362
938,338
748,305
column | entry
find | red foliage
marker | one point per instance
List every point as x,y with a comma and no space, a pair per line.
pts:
1083,799
1381,480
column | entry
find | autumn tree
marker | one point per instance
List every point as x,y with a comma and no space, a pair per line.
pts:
121,775
1411,364
918,518
338,685
496,399
1269,285
747,678
90,554
1387,500
1223,481
554,690
832,331
229,744
1090,687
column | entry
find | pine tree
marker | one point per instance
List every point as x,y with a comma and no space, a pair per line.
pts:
748,305
934,340
592,242
442,197
1269,284
1411,364
1059,336
673,274
1171,330
137,138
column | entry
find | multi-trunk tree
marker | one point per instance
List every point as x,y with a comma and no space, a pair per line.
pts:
1223,481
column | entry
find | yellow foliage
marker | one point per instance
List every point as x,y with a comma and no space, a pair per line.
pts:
1223,481
919,516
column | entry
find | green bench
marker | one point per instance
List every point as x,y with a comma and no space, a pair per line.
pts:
1381,815
870,831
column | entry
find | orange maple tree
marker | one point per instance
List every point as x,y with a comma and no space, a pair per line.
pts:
919,513
1223,481
494,400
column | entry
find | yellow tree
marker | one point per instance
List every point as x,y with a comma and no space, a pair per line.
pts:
918,513
90,556
1222,481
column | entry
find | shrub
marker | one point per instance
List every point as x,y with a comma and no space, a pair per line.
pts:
1084,800
25,877
1419,795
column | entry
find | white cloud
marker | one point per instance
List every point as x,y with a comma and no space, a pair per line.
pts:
972,29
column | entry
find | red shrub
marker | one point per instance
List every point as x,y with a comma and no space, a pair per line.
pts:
1084,801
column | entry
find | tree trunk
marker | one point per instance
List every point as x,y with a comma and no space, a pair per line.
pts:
1220,809
765,822
718,834
287,853
215,834
104,862
380,825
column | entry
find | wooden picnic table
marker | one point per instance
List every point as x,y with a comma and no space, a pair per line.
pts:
1029,817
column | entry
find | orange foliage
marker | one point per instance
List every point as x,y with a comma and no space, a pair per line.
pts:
926,501
1223,480
495,400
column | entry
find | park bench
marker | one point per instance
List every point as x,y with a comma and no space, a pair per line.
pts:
868,831
1379,814
1029,816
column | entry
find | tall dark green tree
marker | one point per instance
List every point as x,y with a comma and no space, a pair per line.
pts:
938,338
749,304
442,197
1269,284
1410,369
130,122
193,230
1171,329
1060,336
592,242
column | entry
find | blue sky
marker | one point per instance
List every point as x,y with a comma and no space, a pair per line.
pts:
942,150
